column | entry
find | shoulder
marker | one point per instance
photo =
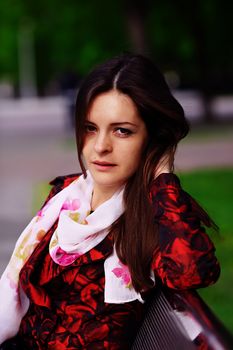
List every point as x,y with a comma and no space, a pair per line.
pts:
64,180
165,181
59,183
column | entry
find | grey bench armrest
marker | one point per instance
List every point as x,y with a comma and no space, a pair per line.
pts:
180,320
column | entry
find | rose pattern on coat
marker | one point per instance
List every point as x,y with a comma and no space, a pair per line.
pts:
67,309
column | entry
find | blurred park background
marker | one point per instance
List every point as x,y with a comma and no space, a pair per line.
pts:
47,48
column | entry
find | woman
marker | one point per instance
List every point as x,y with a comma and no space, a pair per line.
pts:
83,267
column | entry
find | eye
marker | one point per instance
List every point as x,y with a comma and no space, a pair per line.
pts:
89,128
122,132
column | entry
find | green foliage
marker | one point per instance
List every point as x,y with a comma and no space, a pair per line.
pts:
80,34
69,34
180,31
10,12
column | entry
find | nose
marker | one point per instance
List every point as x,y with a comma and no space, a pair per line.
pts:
103,143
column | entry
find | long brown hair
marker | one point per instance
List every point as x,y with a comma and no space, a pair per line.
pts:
135,234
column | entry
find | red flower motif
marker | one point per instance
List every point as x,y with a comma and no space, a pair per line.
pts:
63,258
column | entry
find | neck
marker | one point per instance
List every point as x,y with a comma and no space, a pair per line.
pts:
101,195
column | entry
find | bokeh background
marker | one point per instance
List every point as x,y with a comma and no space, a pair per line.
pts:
47,48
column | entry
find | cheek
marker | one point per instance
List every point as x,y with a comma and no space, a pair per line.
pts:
85,155
86,148
134,157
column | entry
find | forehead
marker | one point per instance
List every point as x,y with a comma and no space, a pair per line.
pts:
112,107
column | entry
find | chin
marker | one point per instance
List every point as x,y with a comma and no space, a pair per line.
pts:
107,180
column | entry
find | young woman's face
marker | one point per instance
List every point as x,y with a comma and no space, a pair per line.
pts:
115,138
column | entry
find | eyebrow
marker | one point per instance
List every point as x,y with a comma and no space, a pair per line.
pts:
115,124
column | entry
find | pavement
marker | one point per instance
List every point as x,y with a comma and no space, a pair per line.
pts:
32,156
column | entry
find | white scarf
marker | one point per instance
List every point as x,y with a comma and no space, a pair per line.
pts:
77,232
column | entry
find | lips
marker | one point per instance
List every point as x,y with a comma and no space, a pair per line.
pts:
103,165
100,162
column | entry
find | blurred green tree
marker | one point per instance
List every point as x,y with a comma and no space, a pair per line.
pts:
192,38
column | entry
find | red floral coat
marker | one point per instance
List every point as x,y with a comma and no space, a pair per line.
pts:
67,308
